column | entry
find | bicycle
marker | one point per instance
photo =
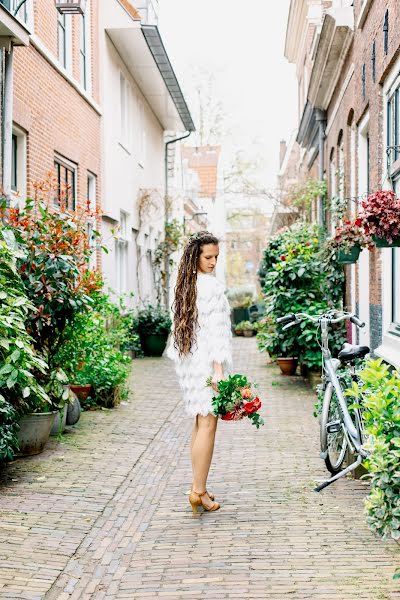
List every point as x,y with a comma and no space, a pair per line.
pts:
340,429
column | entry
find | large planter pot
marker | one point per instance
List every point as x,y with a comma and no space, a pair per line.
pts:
248,332
60,421
153,345
382,243
82,391
348,258
34,432
239,332
240,314
288,365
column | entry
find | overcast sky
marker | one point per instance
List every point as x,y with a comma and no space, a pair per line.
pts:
242,44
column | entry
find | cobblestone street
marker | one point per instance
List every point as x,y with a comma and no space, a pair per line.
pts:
104,514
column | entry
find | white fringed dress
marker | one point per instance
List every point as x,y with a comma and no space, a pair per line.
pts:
213,343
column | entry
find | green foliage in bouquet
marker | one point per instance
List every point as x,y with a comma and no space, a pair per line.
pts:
380,389
231,396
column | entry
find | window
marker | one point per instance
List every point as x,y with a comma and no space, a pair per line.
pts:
22,14
395,274
386,32
393,125
373,61
125,112
142,133
65,196
83,51
121,253
62,39
85,71
18,163
91,204
14,163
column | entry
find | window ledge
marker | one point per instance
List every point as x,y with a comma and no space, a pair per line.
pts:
366,5
389,350
41,48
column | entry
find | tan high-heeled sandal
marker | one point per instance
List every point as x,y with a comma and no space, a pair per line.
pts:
210,494
196,500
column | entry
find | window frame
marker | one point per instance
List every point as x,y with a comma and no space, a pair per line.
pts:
69,167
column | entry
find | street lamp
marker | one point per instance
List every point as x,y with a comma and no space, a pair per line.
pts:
185,219
71,7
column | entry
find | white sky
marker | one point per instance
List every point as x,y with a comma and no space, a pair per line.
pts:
244,49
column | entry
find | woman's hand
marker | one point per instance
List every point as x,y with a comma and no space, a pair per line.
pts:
218,375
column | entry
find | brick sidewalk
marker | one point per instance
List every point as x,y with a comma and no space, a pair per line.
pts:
103,515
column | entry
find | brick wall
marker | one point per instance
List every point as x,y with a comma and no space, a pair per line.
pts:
54,115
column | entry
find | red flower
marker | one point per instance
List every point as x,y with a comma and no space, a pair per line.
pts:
283,257
228,416
251,407
358,222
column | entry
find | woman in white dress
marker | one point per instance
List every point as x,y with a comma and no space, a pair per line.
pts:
200,348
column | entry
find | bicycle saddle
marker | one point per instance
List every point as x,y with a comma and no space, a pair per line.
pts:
350,352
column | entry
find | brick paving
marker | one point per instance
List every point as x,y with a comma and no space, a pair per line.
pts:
103,514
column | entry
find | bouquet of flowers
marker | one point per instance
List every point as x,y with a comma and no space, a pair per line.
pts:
236,400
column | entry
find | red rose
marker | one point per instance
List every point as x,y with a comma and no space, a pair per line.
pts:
228,416
251,407
358,222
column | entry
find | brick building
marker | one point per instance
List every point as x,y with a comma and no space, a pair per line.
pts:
93,96
347,57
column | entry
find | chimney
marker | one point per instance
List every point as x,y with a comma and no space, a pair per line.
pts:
282,151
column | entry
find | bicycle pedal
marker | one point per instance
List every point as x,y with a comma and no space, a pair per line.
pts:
334,426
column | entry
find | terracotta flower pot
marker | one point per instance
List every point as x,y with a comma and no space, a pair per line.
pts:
239,331
288,365
82,391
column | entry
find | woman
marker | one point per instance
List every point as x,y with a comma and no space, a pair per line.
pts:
200,347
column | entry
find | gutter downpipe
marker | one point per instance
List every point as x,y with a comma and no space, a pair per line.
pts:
166,210
7,120
320,117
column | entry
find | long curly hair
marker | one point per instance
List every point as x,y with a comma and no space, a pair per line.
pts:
184,306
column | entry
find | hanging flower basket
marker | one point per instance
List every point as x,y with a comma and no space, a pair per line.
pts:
349,257
381,217
383,243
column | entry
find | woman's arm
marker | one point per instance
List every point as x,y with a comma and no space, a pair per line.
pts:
218,375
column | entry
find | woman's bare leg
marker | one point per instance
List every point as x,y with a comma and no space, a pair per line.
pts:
202,452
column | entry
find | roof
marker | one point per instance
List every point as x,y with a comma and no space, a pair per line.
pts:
204,160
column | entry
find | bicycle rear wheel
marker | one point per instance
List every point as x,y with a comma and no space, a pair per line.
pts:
333,439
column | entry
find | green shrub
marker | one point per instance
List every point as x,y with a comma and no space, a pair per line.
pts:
92,352
19,391
296,279
153,320
380,389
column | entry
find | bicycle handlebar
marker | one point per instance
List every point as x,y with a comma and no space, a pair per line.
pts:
357,321
294,319
286,318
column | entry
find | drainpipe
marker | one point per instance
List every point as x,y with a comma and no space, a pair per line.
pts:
166,210
320,117
7,120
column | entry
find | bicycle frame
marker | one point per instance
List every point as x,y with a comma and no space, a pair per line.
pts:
330,367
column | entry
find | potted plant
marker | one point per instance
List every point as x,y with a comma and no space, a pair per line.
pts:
381,217
240,300
153,326
26,413
247,328
238,328
348,241
92,355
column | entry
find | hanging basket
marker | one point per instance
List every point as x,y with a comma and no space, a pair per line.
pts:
382,243
348,258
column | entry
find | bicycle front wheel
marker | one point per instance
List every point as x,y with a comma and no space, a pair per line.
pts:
333,439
